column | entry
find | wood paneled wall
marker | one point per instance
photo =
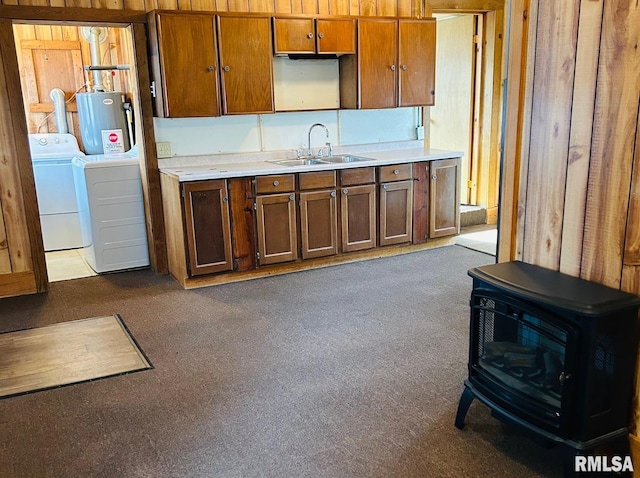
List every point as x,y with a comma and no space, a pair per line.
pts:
22,269
577,103
571,172
113,51
405,8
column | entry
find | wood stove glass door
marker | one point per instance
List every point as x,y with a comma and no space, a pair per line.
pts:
521,355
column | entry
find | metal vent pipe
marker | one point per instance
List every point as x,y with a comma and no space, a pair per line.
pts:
94,47
60,110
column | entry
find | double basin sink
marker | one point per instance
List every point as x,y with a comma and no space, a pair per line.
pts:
335,159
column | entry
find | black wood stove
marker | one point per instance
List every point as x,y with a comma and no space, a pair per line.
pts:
552,354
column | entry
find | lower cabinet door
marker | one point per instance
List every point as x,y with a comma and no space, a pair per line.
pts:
396,212
444,200
358,212
276,224
318,223
206,207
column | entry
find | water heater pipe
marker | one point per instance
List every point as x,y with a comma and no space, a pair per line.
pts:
60,109
94,47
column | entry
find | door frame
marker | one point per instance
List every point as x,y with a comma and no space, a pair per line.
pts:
487,167
135,21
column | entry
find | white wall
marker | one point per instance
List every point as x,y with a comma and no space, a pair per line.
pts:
252,133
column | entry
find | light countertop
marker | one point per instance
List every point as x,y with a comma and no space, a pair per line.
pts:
256,167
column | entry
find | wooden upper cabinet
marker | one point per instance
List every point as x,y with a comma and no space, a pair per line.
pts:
337,36
183,64
246,66
309,36
417,61
377,63
294,35
394,65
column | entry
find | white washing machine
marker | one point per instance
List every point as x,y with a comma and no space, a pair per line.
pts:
51,156
109,191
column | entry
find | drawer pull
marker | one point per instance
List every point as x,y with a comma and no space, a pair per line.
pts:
292,197
345,191
225,199
309,35
395,171
276,183
333,194
385,186
434,177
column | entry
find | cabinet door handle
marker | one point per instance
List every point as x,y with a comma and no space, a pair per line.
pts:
332,194
393,67
434,177
404,67
276,183
309,35
320,35
226,68
396,172
225,199
209,68
292,197
385,186
345,191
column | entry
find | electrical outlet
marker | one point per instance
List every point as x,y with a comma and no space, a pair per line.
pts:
163,149
420,132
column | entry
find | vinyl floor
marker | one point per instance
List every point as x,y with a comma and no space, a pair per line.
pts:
66,353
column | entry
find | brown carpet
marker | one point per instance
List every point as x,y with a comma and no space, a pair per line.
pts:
349,371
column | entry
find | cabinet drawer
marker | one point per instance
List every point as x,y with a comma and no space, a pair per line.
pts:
353,177
396,172
281,183
317,180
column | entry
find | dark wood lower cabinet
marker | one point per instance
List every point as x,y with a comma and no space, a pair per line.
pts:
239,224
243,227
208,230
318,223
276,225
396,212
358,217
420,202
444,198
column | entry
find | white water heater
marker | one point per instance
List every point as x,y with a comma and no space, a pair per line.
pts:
103,122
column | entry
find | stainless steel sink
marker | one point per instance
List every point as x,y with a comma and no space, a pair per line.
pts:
338,158
344,158
299,162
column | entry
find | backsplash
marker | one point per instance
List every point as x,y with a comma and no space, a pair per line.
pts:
285,131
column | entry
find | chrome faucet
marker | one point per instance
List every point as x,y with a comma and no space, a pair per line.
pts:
309,136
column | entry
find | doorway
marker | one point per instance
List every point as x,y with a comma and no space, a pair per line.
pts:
54,57
462,119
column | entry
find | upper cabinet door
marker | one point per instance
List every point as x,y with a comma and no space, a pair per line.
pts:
336,36
294,35
246,66
416,68
186,50
377,62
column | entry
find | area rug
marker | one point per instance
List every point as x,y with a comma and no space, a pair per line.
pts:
66,353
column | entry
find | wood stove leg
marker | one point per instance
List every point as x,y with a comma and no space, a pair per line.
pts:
568,461
463,407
